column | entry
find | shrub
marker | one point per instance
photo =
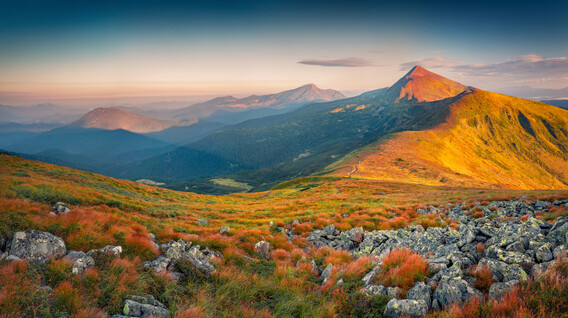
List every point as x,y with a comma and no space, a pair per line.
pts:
402,268
483,278
360,305
67,297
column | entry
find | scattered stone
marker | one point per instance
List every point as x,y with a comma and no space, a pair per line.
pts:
224,229
199,260
263,249
61,208
143,307
202,222
80,261
370,276
37,246
391,292
406,308
326,274
178,250
110,249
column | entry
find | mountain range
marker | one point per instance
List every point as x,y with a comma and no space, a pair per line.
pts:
424,129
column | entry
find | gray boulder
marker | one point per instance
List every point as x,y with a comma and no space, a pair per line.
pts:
37,246
391,292
454,290
497,290
224,229
80,261
61,208
110,249
199,260
420,291
263,249
503,272
144,307
326,274
543,253
406,308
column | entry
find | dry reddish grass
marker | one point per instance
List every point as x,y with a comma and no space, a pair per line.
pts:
402,268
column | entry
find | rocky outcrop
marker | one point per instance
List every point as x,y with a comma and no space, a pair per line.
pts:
505,237
174,251
144,307
37,246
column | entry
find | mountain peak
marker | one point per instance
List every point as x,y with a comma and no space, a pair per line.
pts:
115,118
418,71
421,85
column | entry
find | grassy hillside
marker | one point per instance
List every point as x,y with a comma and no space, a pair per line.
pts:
119,212
487,140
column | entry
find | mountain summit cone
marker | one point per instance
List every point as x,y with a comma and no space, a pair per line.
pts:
421,85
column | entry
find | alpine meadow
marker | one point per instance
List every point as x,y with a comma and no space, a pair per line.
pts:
283,159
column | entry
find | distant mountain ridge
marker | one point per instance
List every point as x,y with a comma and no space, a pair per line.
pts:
114,118
278,101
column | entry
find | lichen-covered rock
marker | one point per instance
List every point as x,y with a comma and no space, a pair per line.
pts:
178,250
558,232
454,290
391,292
109,249
224,229
144,307
406,308
497,290
61,208
199,260
543,253
503,272
539,269
37,246
263,249
420,291
80,261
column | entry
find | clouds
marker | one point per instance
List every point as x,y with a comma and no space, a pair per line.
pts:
433,62
523,65
344,62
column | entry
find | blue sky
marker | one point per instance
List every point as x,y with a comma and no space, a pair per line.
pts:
57,50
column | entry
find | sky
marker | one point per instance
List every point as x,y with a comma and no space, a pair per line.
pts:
118,51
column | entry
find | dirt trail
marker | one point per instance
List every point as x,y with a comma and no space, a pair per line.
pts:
354,169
